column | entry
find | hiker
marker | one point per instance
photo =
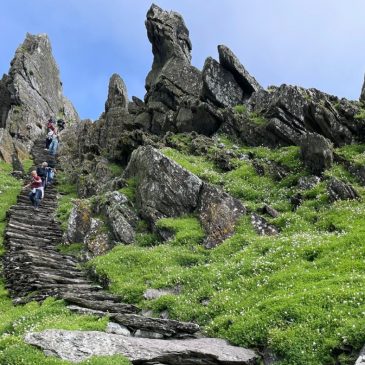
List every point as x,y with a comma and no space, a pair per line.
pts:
49,139
36,194
61,124
42,172
54,144
50,175
51,124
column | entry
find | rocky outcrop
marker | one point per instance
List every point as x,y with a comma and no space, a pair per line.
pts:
262,226
293,111
230,62
77,346
165,189
338,190
79,222
107,221
308,182
32,92
316,152
219,85
97,241
173,81
218,213
120,217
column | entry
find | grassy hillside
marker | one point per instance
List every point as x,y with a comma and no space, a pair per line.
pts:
16,321
300,294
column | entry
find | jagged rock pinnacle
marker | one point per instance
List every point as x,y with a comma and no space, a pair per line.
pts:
169,38
362,95
117,95
30,94
231,63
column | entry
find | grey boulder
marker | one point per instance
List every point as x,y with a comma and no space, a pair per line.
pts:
77,346
164,188
338,190
119,215
218,213
316,153
79,222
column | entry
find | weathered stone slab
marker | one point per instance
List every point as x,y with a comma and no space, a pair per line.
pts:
77,346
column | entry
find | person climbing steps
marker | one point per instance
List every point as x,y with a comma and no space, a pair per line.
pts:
54,144
42,172
36,194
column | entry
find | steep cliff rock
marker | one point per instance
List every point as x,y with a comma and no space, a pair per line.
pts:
172,80
32,92
117,94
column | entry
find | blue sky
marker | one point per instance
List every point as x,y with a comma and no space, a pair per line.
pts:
311,43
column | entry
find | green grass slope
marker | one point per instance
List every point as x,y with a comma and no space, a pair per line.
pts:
299,294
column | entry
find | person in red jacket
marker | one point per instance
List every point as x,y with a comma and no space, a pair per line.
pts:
36,185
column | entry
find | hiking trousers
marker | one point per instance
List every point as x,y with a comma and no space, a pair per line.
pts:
36,197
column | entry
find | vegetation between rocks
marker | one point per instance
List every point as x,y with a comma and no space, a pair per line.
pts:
300,293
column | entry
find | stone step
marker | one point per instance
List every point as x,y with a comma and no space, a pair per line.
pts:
104,305
43,232
34,269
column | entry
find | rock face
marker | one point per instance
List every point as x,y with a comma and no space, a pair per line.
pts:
172,80
120,217
79,222
77,346
316,153
230,62
218,212
97,241
219,85
291,112
32,92
165,189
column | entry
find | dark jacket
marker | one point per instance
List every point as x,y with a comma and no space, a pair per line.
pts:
42,172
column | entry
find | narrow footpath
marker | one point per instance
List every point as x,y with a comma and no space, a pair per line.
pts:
34,269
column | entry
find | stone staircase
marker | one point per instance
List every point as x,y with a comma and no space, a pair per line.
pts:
34,269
